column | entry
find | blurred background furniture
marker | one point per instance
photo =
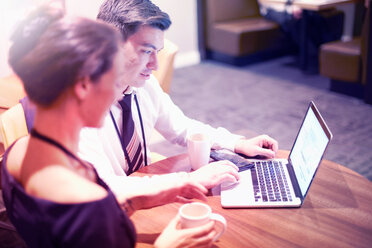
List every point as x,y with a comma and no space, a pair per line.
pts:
348,64
11,91
164,75
234,31
166,58
12,125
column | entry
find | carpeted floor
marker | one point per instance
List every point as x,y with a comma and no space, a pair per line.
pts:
271,97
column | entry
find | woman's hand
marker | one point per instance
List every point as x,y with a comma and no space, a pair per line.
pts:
262,145
172,236
215,173
163,189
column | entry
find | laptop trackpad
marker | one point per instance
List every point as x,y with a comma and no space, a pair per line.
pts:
238,194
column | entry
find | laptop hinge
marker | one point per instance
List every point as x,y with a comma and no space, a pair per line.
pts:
296,186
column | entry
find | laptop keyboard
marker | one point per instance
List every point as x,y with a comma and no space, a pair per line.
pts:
269,182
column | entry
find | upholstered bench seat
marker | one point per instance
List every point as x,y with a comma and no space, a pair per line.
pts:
243,36
341,60
233,31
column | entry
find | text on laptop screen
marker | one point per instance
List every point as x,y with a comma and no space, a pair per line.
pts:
308,150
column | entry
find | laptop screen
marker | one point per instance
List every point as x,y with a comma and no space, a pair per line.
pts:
309,147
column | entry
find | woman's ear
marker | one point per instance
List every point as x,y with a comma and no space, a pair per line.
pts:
82,88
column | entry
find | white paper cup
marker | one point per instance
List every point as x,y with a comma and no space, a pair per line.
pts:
198,148
196,214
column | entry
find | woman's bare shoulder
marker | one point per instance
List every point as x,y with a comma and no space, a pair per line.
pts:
54,182
61,184
16,156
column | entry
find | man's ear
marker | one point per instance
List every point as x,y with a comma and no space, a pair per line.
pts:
82,88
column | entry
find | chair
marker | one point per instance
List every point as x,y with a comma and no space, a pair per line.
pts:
155,157
4,222
11,91
345,63
233,31
166,60
164,75
12,125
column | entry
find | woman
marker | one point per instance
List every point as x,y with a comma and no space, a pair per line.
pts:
70,67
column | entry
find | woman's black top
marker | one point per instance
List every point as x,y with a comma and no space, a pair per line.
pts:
43,223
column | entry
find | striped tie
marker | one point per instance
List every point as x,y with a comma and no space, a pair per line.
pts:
130,136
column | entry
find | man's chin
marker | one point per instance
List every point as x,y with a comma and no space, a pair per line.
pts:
139,83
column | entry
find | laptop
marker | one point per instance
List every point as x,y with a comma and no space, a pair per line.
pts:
282,182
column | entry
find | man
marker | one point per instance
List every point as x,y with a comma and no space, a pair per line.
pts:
143,24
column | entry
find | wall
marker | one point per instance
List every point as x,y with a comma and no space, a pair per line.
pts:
10,13
183,31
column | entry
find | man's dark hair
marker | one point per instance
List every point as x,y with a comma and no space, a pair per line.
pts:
129,15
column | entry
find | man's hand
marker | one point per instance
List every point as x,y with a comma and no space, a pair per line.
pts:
215,173
262,145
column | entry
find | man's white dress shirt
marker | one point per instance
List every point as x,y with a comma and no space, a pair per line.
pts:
102,147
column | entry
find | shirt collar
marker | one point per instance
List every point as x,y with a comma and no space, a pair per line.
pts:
130,90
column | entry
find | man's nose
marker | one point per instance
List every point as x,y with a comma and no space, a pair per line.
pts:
153,63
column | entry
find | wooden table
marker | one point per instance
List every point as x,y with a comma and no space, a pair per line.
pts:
307,6
315,5
336,213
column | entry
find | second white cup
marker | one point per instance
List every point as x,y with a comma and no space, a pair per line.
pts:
198,148
197,213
